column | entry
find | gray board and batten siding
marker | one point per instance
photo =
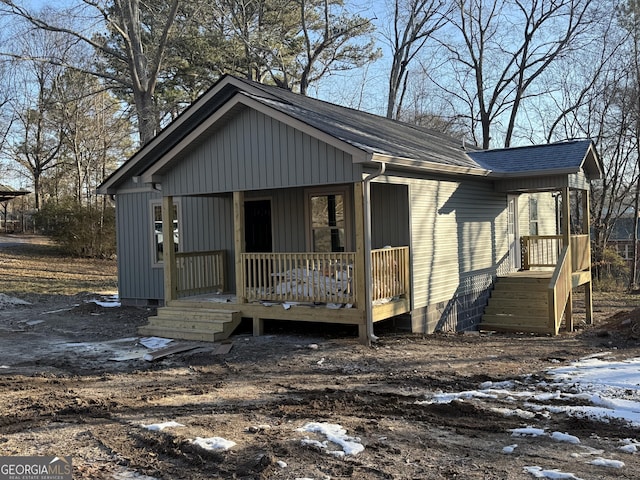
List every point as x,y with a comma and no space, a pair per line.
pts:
253,152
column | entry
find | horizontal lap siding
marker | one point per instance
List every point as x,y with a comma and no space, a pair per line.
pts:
252,152
458,231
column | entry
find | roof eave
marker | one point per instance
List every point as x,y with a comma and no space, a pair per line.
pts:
428,166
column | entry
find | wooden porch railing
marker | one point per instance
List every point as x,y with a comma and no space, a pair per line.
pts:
322,277
299,277
540,250
200,272
559,290
580,252
390,269
544,251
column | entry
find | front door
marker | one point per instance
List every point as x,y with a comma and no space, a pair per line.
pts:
257,226
512,232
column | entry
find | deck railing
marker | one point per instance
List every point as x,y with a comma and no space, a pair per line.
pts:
540,250
200,272
314,277
580,252
559,290
544,251
390,271
299,277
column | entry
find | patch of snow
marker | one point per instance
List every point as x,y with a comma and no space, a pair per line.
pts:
125,474
154,343
605,462
158,427
527,432
335,434
509,448
7,301
106,304
630,445
213,443
539,472
564,437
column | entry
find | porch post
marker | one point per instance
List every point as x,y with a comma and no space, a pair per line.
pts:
238,242
586,230
359,272
169,251
566,238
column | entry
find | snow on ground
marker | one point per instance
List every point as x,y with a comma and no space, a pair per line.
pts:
213,443
7,301
111,301
612,387
334,434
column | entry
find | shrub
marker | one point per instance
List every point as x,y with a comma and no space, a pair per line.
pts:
84,231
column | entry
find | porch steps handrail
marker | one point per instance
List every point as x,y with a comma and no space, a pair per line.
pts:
560,289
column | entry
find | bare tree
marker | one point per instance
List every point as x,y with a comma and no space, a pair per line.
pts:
506,46
36,139
414,22
130,45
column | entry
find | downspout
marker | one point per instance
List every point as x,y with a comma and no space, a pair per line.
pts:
367,251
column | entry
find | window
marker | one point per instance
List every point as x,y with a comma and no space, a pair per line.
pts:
158,247
328,222
533,216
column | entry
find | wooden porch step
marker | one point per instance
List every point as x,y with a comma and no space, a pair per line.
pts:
509,307
203,324
518,303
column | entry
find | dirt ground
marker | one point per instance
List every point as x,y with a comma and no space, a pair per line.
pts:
72,383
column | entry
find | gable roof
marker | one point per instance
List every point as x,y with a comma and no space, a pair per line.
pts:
553,158
367,137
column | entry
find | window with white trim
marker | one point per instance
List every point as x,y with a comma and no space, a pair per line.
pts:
158,244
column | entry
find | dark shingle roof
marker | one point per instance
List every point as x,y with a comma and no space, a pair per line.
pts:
562,156
371,133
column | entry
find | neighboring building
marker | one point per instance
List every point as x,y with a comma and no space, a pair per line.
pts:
8,223
270,198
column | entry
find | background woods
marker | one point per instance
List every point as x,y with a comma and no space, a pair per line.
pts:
83,83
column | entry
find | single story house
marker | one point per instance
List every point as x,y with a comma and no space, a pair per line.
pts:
260,203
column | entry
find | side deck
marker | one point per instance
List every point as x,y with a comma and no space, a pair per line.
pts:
539,298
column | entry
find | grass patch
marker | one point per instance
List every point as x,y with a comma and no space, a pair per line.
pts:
40,268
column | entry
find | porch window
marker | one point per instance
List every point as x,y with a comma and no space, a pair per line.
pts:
158,247
328,232
533,216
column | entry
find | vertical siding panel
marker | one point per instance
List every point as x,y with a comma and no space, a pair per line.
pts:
270,132
252,151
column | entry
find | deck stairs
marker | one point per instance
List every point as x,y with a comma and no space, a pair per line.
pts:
519,303
192,321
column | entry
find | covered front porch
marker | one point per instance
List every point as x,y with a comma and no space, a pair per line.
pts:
356,287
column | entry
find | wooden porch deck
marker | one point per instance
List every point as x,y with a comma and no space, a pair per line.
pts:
311,287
